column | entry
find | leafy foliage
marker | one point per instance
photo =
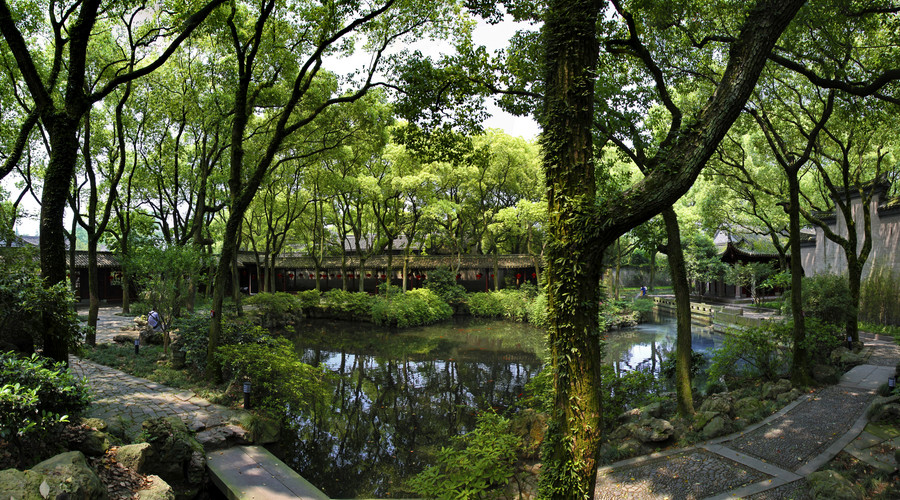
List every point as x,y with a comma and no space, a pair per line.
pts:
36,394
442,281
276,310
164,273
826,297
477,465
626,390
25,303
281,384
194,336
416,307
354,304
754,351
880,296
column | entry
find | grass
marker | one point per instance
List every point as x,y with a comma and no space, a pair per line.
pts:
892,330
877,485
152,365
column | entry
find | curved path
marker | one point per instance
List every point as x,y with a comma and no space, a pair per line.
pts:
125,401
768,460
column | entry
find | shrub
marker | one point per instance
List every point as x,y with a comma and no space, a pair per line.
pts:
537,311
25,302
194,336
282,385
358,305
276,310
413,308
478,465
879,296
36,394
309,299
753,351
826,297
484,304
624,391
442,282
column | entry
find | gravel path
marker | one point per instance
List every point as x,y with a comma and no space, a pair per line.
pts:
766,461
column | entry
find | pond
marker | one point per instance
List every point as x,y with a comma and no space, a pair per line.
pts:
399,395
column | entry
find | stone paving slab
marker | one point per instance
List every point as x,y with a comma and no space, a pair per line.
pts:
808,430
693,474
252,472
126,401
867,377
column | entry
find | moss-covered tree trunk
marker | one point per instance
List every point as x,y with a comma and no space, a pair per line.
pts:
574,263
682,314
800,374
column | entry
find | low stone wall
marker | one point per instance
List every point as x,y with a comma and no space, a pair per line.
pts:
719,316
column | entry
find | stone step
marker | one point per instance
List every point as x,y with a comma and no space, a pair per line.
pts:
252,472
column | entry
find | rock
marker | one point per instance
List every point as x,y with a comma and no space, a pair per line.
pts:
223,436
66,474
771,391
718,426
158,490
787,397
747,408
885,400
530,426
125,338
151,337
701,418
828,484
721,403
885,413
92,443
620,433
133,456
837,353
825,374
850,359
651,430
174,455
632,415
266,430
96,423
631,448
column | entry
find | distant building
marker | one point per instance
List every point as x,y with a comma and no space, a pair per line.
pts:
821,255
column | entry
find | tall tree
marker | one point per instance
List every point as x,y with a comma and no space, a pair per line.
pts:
61,96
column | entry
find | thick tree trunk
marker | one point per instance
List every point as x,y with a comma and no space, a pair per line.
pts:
93,292
854,276
573,262
58,178
682,314
800,374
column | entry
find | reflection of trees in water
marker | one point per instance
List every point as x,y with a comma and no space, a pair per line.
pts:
386,414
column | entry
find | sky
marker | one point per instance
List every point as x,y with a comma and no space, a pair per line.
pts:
491,36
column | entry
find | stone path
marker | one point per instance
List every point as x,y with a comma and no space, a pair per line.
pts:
125,401
770,459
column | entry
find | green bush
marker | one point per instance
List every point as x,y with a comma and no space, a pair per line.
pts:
484,304
354,304
826,297
309,299
36,394
282,386
478,465
276,310
194,336
753,351
537,311
25,303
442,281
879,296
413,308
625,391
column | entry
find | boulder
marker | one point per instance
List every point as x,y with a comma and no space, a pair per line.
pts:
133,456
720,425
174,454
651,430
721,403
96,423
885,413
66,475
92,443
850,359
831,485
701,418
826,374
771,391
158,490
223,436
786,397
747,408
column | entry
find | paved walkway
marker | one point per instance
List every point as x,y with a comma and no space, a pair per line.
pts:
768,460
125,401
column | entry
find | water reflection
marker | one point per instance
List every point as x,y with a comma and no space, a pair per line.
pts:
646,345
397,396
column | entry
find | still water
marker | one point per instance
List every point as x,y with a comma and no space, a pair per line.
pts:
399,395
